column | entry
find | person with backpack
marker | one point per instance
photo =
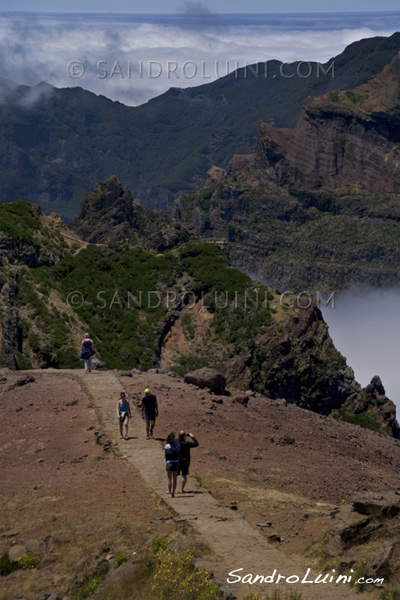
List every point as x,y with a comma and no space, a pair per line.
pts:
184,456
123,414
172,449
87,351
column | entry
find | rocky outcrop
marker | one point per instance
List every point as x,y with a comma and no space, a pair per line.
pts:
302,365
367,533
170,236
374,399
108,212
111,214
342,139
15,251
207,378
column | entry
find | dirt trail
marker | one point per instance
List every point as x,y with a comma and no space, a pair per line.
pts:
234,541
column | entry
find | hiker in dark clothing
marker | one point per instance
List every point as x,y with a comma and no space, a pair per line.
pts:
149,411
87,351
172,449
184,455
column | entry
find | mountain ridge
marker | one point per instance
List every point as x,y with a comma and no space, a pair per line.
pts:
342,140
53,151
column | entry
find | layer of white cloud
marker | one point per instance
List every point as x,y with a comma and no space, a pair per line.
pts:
34,49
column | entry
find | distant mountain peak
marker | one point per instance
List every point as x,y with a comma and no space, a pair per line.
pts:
381,94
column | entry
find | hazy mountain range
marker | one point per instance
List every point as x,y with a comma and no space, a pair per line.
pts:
56,143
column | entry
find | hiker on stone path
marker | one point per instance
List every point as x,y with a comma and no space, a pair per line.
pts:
123,414
172,449
149,411
184,455
87,351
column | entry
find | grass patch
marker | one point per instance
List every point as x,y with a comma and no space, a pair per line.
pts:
366,419
355,97
197,478
89,587
119,560
28,560
161,574
158,545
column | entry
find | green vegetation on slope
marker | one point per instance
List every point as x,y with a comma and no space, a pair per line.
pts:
298,238
18,221
122,299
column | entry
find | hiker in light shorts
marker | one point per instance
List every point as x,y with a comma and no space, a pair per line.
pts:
123,414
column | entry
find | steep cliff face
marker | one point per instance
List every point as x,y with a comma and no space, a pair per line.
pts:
296,239
316,207
343,139
289,354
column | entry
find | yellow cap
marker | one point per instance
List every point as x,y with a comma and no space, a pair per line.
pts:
147,391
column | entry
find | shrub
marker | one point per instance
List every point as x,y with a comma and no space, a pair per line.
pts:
7,565
355,97
158,545
29,560
92,583
176,577
333,96
119,560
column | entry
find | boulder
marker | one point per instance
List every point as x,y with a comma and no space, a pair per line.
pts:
241,399
380,565
98,365
207,378
381,505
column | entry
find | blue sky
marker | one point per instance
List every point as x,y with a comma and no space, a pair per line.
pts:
223,6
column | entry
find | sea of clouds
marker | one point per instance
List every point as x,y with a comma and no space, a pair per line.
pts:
365,326
131,58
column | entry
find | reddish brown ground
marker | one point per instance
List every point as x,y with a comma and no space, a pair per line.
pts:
64,497
244,457
61,494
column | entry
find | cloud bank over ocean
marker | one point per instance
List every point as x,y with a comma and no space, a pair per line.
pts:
365,327
132,58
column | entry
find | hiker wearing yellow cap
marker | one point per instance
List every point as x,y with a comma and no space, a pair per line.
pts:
149,411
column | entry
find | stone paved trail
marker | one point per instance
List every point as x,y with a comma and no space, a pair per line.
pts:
234,541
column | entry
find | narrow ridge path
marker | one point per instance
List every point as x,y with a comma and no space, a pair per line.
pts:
235,543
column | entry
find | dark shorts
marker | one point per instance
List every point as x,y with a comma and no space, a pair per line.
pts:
183,468
150,415
172,465
122,419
